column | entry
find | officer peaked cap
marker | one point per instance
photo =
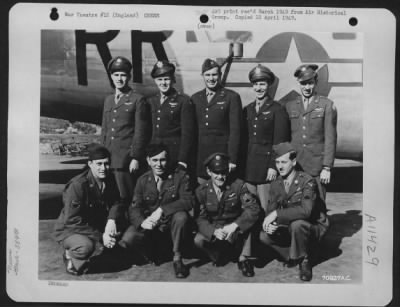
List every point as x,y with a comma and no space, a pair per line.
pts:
217,162
209,64
97,152
119,63
283,148
306,72
162,68
261,73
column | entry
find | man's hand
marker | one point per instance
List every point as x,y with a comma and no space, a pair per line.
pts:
269,219
271,175
133,166
325,176
108,241
156,215
111,228
220,234
229,230
232,167
148,223
271,228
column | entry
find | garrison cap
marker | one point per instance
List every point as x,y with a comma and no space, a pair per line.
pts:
119,63
306,72
155,149
162,68
261,73
97,152
209,64
283,148
217,162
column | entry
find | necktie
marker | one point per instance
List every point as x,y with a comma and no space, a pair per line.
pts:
117,97
159,183
163,98
258,106
306,101
210,96
287,186
103,187
219,194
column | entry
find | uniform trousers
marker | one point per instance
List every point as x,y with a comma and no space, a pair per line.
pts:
147,241
321,189
215,249
125,183
293,242
261,191
126,180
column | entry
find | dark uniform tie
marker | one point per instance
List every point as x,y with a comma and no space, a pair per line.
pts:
159,183
305,103
219,193
258,106
117,97
163,98
102,187
287,185
210,95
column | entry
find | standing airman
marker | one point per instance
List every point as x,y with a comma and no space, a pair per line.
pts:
124,126
172,116
267,124
219,115
313,120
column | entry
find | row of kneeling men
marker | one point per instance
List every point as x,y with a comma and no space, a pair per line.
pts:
219,220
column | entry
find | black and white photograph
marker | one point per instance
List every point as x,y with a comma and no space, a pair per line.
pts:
230,149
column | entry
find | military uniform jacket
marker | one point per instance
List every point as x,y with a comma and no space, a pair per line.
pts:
218,124
265,128
86,210
173,124
314,133
124,128
299,203
175,195
236,205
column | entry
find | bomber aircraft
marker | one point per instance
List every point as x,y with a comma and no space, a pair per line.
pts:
74,80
